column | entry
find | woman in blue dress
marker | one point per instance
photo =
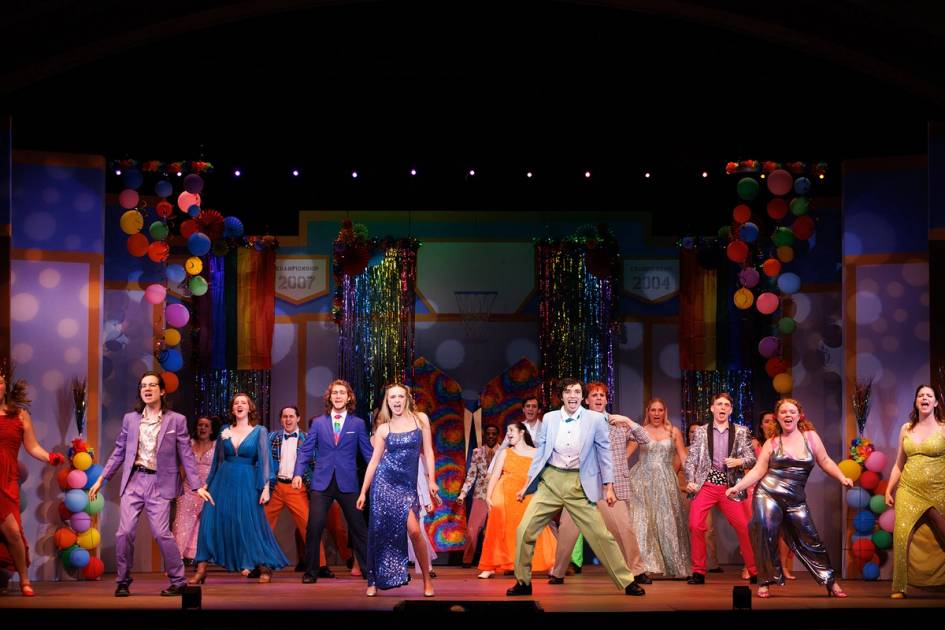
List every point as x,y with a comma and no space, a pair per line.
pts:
233,531
400,434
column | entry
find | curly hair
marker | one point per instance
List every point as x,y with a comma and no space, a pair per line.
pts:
253,414
802,423
14,396
938,412
352,401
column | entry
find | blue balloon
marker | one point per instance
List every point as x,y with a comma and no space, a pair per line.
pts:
76,500
858,498
748,232
232,227
198,244
789,282
78,558
172,360
133,178
193,210
870,571
175,274
163,188
92,473
864,522
802,185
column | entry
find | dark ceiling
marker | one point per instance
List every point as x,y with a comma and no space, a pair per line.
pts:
556,87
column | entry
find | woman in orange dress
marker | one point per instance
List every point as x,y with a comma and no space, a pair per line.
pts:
505,512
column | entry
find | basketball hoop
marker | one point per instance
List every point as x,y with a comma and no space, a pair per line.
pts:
475,307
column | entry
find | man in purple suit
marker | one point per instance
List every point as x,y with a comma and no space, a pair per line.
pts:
150,450
333,441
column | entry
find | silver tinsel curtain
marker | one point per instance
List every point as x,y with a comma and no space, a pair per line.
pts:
214,388
700,386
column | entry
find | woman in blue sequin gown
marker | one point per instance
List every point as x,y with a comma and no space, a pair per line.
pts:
234,532
401,433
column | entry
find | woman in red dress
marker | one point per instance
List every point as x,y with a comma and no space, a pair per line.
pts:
16,428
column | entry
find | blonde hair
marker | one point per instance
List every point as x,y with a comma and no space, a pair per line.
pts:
802,423
384,414
646,410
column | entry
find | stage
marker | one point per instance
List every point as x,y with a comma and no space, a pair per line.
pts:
229,599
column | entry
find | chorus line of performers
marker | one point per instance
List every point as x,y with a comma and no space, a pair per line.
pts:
552,479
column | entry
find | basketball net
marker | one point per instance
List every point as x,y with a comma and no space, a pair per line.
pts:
475,307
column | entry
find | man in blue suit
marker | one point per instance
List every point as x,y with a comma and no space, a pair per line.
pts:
333,442
572,469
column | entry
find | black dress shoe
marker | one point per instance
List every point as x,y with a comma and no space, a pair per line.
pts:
555,580
122,590
350,562
301,566
325,572
716,570
634,589
254,573
643,578
172,590
696,578
309,579
519,589
753,579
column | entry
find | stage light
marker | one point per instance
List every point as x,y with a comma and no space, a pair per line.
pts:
179,174
236,173
528,174
587,174
646,174
354,174
762,176
295,173
472,173
413,172
704,174
117,171
821,176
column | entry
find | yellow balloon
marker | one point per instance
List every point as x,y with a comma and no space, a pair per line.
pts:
851,469
783,383
81,461
131,222
743,298
785,253
193,266
171,337
89,539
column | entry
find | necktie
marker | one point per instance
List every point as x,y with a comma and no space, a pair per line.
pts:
337,428
292,435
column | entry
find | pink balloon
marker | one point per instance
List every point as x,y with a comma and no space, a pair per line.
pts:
887,520
76,479
128,198
767,303
155,293
176,315
186,199
876,461
780,182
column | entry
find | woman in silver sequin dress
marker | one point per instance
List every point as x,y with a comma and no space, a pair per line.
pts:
656,509
780,501
401,434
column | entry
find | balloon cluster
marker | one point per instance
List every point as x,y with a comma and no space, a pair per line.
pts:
873,522
765,284
202,229
79,536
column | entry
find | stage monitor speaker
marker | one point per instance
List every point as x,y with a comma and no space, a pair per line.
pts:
191,598
472,607
741,598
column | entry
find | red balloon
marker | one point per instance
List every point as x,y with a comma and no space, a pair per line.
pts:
803,227
780,182
94,569
61,477
742,213
188,228
775,366
771,267
777,208
164,208
158,251
171,382
869,480
138,245
863,549
737,251
64,512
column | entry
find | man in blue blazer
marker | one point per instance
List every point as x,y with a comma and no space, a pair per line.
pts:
333,442
572,469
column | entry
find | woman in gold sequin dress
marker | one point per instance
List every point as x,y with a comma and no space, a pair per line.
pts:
918,483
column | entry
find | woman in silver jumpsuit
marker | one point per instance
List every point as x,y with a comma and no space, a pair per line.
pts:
780,502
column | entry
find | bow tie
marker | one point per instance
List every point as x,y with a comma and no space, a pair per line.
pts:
570,419
338,417
291,435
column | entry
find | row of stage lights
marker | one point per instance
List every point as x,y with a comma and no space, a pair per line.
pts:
470,173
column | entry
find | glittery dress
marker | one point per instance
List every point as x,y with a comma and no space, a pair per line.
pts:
498,547
189,505
656,511
780,507
11,437
393,494
234,533
922,486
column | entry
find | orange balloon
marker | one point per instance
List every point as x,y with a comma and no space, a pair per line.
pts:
771,267
61,477
742,213
158,251
65,538
137,244
785,253
171,382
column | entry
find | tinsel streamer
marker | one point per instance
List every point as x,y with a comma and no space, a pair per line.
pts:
214,388
79,391
376,331
700,386
577,315
862,393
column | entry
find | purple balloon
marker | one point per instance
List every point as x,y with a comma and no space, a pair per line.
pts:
769,346
749,277
80,522
176,315
193,183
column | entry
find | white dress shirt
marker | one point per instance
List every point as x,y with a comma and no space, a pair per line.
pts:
287,456
567,451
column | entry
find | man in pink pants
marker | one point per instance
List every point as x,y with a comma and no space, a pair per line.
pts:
716,457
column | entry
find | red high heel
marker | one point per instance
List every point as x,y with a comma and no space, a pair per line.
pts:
27,590
835,593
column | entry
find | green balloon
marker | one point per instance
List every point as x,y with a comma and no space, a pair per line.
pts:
725,231
783,236
800,205
882,539
95,506
64,556
198,285
747,188
787,325
878,504
158,230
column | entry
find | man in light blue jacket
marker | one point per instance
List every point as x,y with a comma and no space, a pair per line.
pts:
572,469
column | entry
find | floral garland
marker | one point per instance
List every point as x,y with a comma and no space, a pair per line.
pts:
167,168
769,166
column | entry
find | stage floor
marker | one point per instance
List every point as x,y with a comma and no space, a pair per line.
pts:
232,596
